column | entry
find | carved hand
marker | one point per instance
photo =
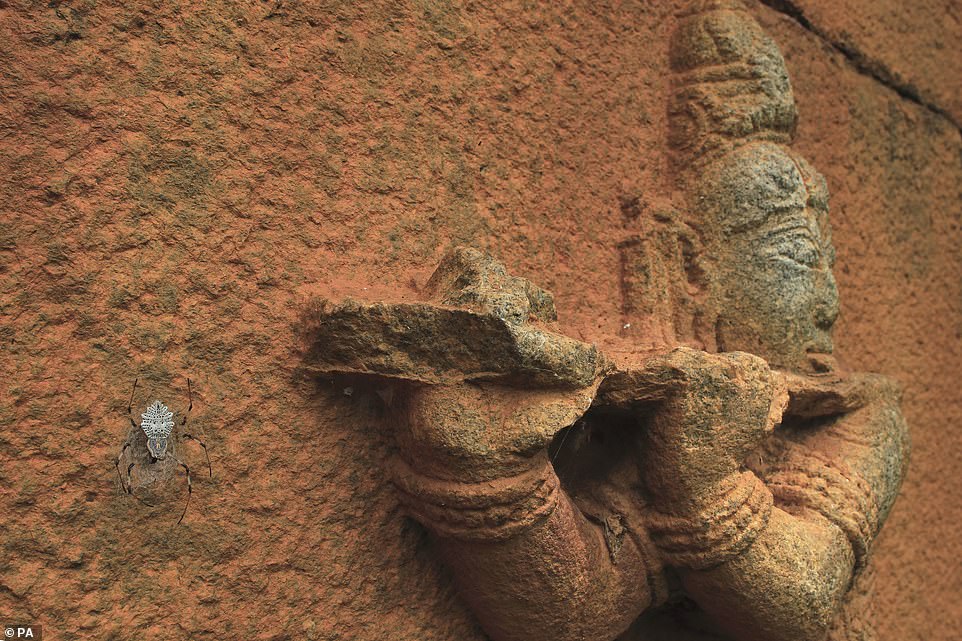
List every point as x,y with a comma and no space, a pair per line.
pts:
483,431
719,409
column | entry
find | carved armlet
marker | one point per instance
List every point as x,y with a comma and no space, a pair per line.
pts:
734,514
832,489
492,510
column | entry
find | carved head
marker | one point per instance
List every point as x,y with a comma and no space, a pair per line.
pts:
769,239
760,211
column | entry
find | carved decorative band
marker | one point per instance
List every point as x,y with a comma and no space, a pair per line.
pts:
735,514
831,489
487,511
738,79
704,6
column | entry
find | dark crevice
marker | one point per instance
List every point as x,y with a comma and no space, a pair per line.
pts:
862,63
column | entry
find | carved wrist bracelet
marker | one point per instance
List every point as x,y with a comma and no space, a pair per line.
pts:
736,511
492,510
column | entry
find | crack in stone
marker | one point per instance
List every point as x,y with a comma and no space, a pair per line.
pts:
862,63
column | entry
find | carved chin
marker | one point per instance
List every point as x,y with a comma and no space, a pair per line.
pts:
777,345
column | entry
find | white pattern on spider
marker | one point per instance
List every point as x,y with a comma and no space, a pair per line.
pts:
152,444
157,423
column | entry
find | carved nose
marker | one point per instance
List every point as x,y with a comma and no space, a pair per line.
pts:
826,309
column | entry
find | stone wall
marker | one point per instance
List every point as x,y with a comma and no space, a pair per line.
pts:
179,178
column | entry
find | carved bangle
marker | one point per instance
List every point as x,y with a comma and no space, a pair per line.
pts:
834,491
486,511
736,512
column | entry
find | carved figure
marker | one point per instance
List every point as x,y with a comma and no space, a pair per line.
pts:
743,469
760,217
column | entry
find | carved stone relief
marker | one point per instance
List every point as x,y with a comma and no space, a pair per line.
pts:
740,467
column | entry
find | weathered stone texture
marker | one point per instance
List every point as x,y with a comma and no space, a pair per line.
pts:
893,170
178,177
911,47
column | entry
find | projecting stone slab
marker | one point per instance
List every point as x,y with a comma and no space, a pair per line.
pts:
479,324
810,395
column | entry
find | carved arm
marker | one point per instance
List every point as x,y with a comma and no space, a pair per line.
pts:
769,568
474,470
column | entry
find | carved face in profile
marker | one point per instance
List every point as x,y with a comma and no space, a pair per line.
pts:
774,289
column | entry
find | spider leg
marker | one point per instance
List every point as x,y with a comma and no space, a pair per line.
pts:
131,401
190,406
117,466
190,490
190,403
203,445
130,486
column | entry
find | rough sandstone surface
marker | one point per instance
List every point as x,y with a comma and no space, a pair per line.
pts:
177,179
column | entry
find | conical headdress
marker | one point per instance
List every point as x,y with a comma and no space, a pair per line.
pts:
730,84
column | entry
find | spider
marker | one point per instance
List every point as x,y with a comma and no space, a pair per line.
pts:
153,444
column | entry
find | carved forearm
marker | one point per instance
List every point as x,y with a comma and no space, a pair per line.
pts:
849,470
787,586
493,510
734,513
785,577
762,573
528,562
831,489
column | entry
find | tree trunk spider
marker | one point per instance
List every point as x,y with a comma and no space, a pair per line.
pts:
153,444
